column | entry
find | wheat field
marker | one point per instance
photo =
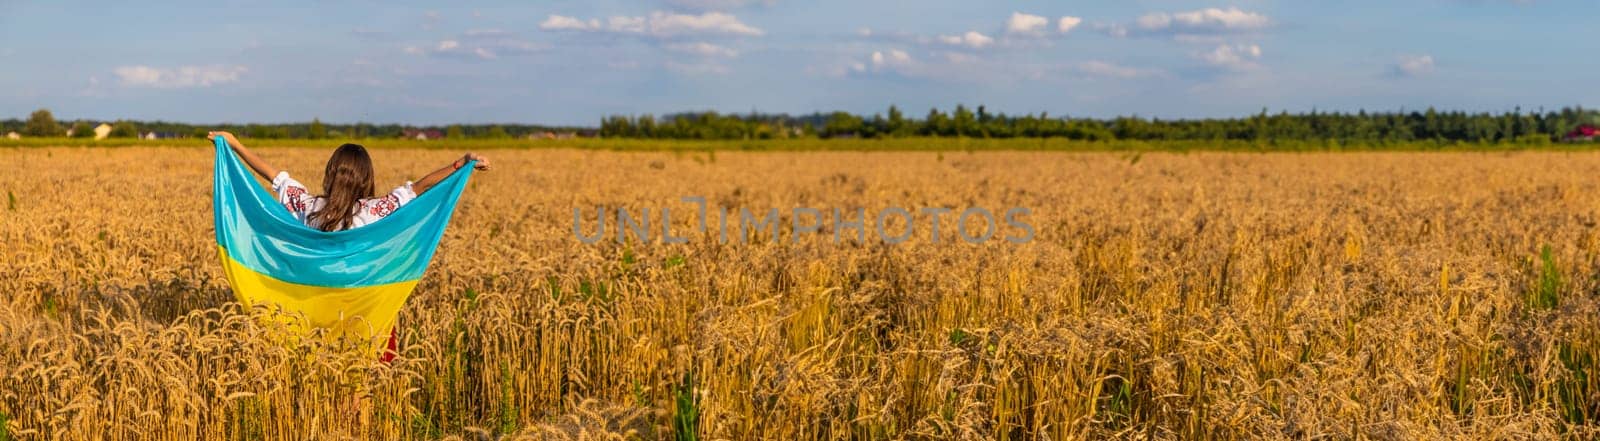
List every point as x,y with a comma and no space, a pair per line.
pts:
1164,296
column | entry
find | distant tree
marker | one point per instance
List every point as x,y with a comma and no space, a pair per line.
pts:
874,127
266,132
317,130
81,129
896,126
646,125
124,129
454,132
840,124
618,126
497,132
937,124
42,123
964,122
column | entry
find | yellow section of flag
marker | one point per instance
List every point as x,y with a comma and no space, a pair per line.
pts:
357,313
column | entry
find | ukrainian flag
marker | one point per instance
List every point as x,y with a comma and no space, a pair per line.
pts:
351,282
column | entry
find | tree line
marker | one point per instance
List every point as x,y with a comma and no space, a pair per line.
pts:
1515,126
1359,127
42,123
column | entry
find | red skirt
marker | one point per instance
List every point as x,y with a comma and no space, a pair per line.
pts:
392,349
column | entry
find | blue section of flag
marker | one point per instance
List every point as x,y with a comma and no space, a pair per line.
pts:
263,236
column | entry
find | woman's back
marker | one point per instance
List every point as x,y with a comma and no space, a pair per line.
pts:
294,196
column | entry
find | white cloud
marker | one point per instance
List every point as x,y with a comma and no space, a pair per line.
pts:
1066,23
1029,25
481,44
1220,19
1232,57
1413,66
1209,21
657,24
703,49
634,25
712,22
178,77
1097,68
1026,24
971,39
565,23
891,60
884,61
453,49
947,66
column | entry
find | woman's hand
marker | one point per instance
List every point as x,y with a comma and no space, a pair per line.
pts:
431,179
483,162
226,136
260,166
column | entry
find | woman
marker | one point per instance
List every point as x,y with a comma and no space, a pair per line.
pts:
348,198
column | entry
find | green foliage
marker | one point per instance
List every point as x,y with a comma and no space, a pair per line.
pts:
555,288
1324,129
959,336
421,423
247,417
260,131
316,130
962,122
1573,394
124,129
48,306
1116,407
1281,131
897,125
82,129
42,124
707,125
497,132
686,418
11,201
508,393
1547,292
842,124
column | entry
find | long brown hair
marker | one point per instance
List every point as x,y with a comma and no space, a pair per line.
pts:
347,181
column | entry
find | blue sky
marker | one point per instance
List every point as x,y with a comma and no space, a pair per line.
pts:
572,62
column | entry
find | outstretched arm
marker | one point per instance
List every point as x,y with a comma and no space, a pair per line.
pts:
432,179
261,167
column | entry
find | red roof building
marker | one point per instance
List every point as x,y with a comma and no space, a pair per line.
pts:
1585,132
